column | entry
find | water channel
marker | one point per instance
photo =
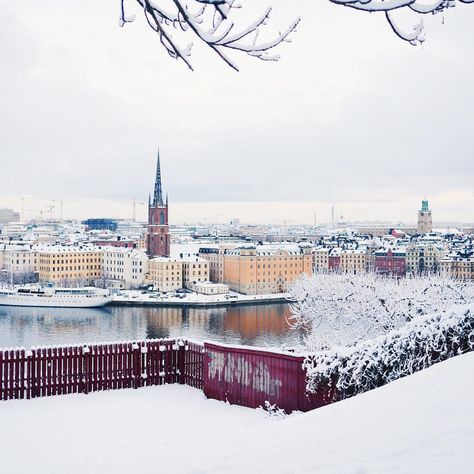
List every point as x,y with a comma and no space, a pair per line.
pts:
259,325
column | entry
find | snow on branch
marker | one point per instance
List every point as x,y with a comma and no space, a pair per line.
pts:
336,309
414,347
212,23
391,8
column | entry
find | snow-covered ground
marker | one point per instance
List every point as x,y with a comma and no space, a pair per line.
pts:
421,424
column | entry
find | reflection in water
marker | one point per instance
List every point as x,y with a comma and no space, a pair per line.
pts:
260,325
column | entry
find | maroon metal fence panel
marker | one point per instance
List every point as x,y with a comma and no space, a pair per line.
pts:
250,377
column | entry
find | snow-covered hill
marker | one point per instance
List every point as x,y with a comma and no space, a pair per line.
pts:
421,424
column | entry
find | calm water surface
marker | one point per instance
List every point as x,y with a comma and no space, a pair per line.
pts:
261,325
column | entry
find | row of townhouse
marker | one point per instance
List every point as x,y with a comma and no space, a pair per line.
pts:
126,268
117,267
459,265
258,269
414,258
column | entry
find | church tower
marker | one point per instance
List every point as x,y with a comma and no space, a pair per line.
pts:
158,236
425,223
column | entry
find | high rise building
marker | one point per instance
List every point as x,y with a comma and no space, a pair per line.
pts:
158,236
425,223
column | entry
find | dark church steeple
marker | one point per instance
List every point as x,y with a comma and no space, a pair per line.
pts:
158,236
158,194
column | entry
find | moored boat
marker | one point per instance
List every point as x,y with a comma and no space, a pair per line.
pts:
50,297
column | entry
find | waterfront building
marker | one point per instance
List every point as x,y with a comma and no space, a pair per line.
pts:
265,269
158,236
195,270
73,265
209,288
165,274
390,261
19,263
215,257
124,268
425,223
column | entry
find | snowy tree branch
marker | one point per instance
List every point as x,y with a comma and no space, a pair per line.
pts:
212,23
414,34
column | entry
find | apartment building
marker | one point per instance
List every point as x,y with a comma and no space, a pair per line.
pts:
353,260
165,274
70,265
424,257
458,265
265,269
124,268
195,270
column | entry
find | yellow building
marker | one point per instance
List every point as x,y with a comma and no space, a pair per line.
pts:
265,269
458,266
215,257
195,270
353,261
165,274
70,265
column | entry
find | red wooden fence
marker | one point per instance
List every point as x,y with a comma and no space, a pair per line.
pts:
93,367
239,375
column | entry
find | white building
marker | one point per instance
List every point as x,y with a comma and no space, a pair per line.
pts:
124,267
209,288
19,262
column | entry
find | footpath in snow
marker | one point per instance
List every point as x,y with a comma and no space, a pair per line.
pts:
416,425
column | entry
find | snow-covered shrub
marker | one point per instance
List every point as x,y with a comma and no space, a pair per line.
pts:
343,309
370,364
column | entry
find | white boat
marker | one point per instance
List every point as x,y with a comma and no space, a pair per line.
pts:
50,297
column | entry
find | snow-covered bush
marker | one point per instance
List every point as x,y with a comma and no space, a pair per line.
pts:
337,309
370,364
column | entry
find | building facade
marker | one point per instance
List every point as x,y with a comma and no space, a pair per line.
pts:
390,262
158,235
424,258
64,266
8,215
265,269
165,274
195,270
458,265
321,259
124,268
353,261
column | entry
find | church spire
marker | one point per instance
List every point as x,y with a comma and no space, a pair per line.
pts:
158,194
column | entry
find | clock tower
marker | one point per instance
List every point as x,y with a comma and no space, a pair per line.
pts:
158,236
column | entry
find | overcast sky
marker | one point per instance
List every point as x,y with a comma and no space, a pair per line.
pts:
351,115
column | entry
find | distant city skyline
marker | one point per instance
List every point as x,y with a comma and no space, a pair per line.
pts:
253,212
